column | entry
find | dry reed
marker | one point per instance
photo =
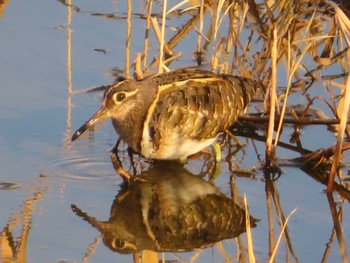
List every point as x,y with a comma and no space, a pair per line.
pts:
250,247
282,38
292,40
128,40
344,25
272,257
272,101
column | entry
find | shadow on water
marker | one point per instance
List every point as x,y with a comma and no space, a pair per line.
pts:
173,210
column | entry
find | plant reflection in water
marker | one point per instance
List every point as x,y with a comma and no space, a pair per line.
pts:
173,210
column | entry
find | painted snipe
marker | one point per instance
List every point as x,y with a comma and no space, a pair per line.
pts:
175,114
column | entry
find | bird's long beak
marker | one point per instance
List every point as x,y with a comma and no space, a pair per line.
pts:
100,115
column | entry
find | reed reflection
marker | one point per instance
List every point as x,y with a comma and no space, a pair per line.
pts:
173,210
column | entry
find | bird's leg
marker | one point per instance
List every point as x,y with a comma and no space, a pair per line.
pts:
216,170
120,170
197,155
118,167
230,134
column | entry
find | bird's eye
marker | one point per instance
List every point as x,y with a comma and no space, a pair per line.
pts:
118,243
120,96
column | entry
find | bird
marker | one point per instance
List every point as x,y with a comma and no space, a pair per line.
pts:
173,115
173,210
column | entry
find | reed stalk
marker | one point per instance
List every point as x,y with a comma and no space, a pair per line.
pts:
128,39
162,40
291,69
272,99
272,257
145,44
250,247
344,25
201,19
338,228
340,137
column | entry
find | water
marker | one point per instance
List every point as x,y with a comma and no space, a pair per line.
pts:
42,173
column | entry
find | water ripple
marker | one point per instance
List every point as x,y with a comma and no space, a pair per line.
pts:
84,168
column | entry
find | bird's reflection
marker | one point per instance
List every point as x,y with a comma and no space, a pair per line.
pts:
173,210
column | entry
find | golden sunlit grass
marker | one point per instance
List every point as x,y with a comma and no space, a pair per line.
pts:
288,46
344,26
250,247
291,47
272,100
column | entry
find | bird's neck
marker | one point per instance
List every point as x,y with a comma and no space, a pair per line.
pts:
130,128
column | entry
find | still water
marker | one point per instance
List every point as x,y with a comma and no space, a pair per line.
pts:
47,56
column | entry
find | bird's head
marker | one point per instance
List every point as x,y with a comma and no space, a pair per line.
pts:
119,101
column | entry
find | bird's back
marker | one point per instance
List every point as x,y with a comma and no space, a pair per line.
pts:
190,109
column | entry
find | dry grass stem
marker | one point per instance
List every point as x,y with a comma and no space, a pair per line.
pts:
345,28
201,19
223,252
250,247
149,256
68,132
3,4
216,57
128,40
204,37
219,7
343,20
270,216
280,123
16,234
91,249
162,40
69,48
182,32
177,6
303,43
156,29
148,24
196,255
137,67
340,138
338,228
219,21
291,68
272,257
170,59
282,221
296,120
273,96
328,247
